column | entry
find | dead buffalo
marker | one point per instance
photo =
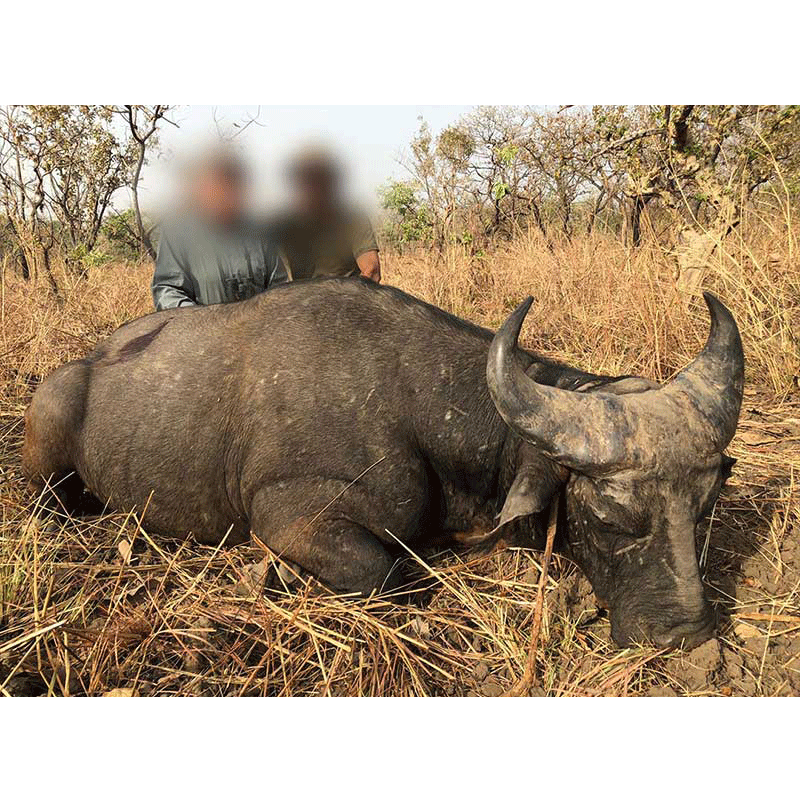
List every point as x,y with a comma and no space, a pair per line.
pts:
335,418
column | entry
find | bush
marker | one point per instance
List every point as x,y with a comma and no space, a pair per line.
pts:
407,221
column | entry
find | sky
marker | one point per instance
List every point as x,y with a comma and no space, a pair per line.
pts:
370,139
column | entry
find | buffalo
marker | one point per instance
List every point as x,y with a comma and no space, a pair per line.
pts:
338,420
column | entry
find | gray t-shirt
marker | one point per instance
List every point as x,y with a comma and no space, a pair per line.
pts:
200,264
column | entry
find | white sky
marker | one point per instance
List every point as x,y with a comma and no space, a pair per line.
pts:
369,138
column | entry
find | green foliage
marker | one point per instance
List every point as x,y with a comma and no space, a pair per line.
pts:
507,153
455,145
83,259
500,190
408,221
119,233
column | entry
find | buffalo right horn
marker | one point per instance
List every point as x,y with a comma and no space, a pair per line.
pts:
597,430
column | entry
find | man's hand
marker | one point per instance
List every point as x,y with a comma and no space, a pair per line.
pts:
370,265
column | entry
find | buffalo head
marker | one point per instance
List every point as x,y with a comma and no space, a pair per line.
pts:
645,466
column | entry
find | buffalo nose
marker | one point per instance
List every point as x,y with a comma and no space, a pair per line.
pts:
687,635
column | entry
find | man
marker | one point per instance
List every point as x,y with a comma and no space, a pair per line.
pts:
214,253
320,235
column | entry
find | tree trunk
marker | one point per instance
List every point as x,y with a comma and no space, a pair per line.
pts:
144,237
25,266
49,272
636,220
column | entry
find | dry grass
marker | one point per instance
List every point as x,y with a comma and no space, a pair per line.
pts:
94,605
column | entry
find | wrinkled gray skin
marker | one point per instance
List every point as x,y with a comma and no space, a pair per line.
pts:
334,418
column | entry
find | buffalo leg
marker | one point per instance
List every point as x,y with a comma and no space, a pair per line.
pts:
340,553
52,424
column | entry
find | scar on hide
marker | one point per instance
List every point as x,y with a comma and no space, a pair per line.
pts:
134,346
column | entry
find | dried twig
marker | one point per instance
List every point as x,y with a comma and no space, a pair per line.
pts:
524,684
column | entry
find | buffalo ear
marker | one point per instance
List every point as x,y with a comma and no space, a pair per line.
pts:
530,493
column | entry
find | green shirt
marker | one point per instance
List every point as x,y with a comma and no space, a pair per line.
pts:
200,264
311,249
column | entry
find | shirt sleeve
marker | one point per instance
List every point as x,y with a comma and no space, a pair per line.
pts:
172,287
363,237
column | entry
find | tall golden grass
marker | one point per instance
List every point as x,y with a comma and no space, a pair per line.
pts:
615,309
94,605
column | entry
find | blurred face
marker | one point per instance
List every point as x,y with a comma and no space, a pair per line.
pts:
316,191
219,196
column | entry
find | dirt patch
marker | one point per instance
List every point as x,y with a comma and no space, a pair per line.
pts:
697,669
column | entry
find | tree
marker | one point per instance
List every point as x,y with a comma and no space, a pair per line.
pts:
700,163
87,164
409,220
693,168
143,124
24,170
59,169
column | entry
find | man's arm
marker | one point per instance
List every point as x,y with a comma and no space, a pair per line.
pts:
370,265
171,287
365,250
